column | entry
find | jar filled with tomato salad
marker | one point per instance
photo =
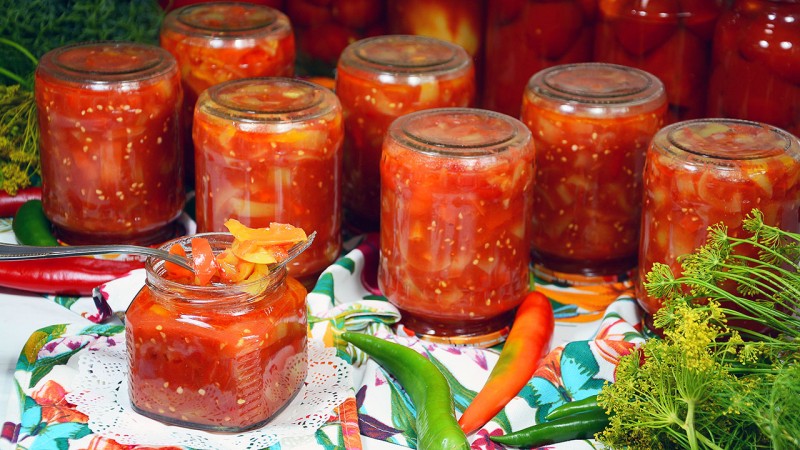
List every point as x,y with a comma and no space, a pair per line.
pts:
591,124
217,357
112,161
456,189
524,37
221,41
669,38
270,150
759,41
709,171
378,80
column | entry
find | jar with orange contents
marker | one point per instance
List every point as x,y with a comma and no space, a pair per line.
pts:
456,195
111,155
221,41
218,357
592,123
270,150
378,80
704,172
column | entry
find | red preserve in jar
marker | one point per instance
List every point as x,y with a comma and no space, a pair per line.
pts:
591,124
524,37
111,155
669,38
221,41
759,43
378,80
704,172
219,357
270,150
456,196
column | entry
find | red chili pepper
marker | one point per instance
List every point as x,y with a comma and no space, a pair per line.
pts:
63,276
526,344
9,204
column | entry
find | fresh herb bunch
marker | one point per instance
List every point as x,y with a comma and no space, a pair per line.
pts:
709,384
19,138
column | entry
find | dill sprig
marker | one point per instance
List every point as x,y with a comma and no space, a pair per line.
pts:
19,138
712,382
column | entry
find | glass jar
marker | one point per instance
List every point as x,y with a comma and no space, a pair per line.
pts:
456,188
759,41
378,80
670,39
270,150
524,37
591,125
111,154
218,357
221,41
709,171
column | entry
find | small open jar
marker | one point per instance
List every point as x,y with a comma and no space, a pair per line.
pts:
379,79
270,150
217,357
591,124
112,161
456,195
708,171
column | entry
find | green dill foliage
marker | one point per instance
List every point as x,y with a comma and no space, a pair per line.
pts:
19,138
711,383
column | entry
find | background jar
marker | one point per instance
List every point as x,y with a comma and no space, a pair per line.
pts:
591,124
270,150
524,37
670,39
709,171
378,80
216,357
759,42
111,154
456,190
221,41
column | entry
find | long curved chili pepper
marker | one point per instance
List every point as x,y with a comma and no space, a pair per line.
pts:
63,276
574,407
526,344
31,226
9,204
576,426
426,387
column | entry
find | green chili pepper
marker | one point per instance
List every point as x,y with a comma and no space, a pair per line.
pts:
426,387
574,407
31,226
577,426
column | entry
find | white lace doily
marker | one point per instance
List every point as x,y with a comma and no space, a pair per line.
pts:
101,392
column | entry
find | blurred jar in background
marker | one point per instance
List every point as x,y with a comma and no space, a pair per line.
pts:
216,42
378,80
270,150
591,124
458,21
669,38
526,36
456,198
325,27
702,172
755,65
111,155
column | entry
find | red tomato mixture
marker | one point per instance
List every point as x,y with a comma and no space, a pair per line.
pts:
212,352
591,125
110,147
270,150
759,41
456,190
218,42
524,37
380,79
700,173
669,38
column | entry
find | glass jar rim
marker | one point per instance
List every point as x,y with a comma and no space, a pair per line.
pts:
177,21
357,55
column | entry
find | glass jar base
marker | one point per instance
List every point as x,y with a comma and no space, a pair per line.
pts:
479,333
584,267
150,237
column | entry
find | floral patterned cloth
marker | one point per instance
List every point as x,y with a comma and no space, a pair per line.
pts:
596,324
